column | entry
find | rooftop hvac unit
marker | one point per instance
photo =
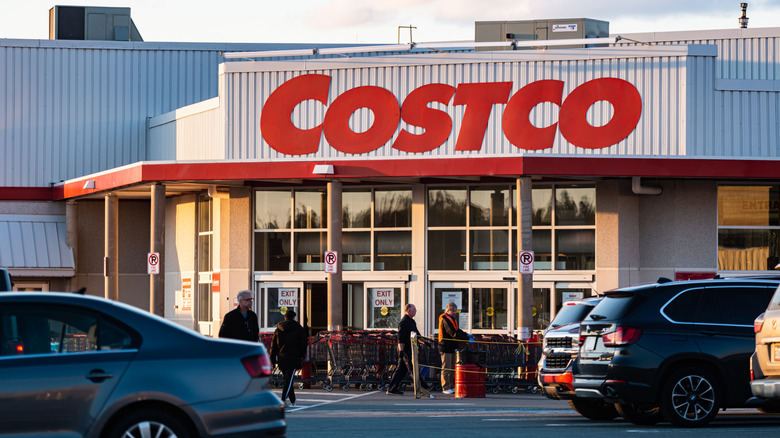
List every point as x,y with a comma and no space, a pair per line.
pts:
92,23
531,30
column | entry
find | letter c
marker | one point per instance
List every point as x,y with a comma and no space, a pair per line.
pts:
276,123
517,126
626,111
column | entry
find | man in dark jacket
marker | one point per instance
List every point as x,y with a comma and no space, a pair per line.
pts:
288,349
405,329
241,322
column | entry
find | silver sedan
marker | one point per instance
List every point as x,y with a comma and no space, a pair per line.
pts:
82,366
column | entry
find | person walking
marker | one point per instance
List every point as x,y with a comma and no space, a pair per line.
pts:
241,322
406,327
288,349
448,333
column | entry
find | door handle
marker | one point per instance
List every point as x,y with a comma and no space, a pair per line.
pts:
98,376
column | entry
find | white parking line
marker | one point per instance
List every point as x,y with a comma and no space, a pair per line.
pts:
327,402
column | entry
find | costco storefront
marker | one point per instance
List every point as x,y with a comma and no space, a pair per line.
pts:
428,173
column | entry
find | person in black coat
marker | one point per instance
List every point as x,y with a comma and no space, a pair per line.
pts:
405,329
241,322
288,349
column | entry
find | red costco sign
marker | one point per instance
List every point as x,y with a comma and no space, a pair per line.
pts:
478,99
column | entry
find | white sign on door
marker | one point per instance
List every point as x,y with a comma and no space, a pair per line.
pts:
383,298
288,297
454,296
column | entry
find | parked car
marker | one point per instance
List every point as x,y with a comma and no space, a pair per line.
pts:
85,366
674,350
559,350
5,281
765,361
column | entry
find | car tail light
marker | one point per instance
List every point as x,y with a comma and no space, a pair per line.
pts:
621,336
258,366
758,325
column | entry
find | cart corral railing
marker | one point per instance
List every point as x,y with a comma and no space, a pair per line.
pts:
366,360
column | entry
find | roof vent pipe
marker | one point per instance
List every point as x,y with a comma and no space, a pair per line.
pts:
639,189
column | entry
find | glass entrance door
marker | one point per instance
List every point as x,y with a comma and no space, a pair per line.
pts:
483,307
274,300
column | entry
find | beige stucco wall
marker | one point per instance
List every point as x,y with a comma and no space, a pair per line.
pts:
642,237
233,256
180,240
134,226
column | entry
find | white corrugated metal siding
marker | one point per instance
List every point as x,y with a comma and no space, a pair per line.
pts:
71,108
660,76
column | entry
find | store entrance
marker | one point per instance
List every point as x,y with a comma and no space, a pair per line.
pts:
315,318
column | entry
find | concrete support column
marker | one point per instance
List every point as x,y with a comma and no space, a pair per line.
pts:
525,298
72,228
157,244
418,282
335,317
111,253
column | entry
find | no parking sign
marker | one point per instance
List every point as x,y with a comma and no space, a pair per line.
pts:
526,264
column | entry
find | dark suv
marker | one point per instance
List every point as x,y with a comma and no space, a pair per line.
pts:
560,346
672,350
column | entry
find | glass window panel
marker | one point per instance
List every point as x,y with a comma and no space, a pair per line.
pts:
272,251
748,250
489,249
204,302
489,207
393,208
384,307
749,205
353,302
575,249
309,250
356,209
204,252
541,311
310,209
393,250
490,308
275,311
446,207
447,250
356,249
541,246
542,206
459,295
205,215
575,206
272,210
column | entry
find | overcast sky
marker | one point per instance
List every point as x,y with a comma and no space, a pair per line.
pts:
377,21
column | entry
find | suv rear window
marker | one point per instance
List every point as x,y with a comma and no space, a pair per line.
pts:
615,305
571,314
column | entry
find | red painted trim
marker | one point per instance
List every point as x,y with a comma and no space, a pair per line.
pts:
144,173
26,194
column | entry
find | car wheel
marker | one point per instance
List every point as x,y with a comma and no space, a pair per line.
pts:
691,397
594,409
640,414
148,422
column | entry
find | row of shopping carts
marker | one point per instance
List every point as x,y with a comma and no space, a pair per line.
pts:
365,360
